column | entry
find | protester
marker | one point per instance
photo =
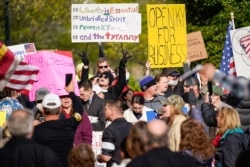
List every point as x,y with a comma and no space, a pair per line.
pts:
174,117
210,108
196,143
84,130
232,139
9,103
174,85
55,133
148,86
105,79
124,155
162,86
81,156
38,108
113,134
137,139
126,98
93,105
138,110
20,150
158,153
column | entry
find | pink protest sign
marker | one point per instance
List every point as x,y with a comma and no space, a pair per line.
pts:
53,68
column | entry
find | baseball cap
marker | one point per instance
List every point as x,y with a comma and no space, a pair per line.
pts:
170,72
40,93
217,90
146,82
175,100
51,101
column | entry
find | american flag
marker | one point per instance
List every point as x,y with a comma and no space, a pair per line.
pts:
227,65
245,44
29,48
14,73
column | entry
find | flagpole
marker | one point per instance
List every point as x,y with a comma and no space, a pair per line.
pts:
232,19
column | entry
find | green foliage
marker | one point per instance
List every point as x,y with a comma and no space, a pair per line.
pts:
47,23
133,84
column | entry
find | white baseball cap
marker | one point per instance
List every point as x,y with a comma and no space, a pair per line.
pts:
51,101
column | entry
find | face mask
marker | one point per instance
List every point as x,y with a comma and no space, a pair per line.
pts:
172,82
186,108
39,106
127,76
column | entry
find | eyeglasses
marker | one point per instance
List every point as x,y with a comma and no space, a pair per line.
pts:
103,76
103,66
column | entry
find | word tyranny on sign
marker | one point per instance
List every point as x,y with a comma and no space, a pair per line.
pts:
105,23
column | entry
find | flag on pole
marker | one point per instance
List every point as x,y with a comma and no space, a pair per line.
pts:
14,73
245,44
227,65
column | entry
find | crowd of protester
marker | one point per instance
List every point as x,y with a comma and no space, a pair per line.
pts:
170,122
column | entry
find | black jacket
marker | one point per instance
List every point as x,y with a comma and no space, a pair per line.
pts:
231,144
162,157
96,109
22,152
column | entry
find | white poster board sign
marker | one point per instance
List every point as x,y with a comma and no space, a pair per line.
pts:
241,50
105,22
23,49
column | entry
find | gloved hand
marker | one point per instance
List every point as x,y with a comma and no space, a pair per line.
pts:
124,59
84,57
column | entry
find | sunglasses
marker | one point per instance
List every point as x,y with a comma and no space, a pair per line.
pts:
103,66
103,76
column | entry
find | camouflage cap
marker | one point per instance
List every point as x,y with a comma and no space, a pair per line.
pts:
175,100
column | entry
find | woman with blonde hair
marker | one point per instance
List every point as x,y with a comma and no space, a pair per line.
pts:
232,140
196,143
172,113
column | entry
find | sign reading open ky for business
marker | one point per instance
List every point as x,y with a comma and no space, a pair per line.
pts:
105,22
167,35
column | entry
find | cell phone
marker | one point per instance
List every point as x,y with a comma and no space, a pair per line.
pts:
68,78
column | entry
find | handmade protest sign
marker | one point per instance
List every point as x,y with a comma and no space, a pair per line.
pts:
53,68
240,39
105,22
195,46
167,38
22,49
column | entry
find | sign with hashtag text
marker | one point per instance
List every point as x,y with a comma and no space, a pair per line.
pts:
105,23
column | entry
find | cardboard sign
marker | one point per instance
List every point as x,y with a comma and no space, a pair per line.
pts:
105,22
53,68
196,48
240,39
167,35
23,49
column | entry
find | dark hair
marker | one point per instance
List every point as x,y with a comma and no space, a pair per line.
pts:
125,93
138,98
159,76
86,85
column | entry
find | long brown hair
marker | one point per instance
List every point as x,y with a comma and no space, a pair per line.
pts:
195,139
136,140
